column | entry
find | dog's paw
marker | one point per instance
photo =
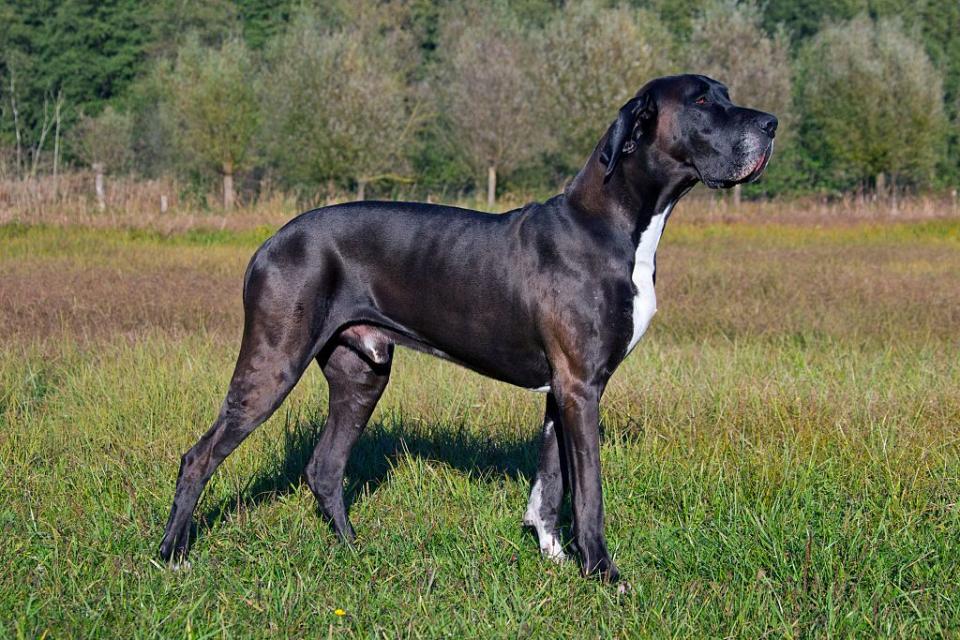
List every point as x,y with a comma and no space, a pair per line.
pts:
551,547
182,565
175,547
602,568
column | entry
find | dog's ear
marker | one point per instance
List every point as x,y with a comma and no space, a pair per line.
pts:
620,135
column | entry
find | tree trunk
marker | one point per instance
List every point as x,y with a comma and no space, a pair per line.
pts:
228,196
56,147
491,186
737,189
16,123
361,189
881,185
98,185
893,192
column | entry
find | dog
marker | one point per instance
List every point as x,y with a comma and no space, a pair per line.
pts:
550,297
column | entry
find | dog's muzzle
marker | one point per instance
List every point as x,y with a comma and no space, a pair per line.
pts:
758,167
748,167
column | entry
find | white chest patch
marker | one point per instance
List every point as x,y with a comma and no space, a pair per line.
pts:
645,300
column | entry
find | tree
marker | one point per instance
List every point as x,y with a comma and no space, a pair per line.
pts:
804,17
172,24
873,103
676,15
937,21
263,19
339,103
87,52
591,60
150,105
488,93
728,43
215,105
103,142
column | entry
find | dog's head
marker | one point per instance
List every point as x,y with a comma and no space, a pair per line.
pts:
690,125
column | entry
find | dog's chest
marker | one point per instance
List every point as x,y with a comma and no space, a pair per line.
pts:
645,296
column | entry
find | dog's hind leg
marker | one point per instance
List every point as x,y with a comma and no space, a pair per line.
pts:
277,346
356,384
546,494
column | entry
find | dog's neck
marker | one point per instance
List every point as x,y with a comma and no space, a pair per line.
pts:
639,189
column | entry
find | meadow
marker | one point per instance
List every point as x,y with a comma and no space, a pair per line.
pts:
781,452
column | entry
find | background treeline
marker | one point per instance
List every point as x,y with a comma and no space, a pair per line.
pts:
442,97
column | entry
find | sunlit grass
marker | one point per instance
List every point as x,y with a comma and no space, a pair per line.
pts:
780,457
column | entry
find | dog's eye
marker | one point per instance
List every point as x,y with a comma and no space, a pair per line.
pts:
701,100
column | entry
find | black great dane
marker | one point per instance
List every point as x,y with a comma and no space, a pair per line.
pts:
550,297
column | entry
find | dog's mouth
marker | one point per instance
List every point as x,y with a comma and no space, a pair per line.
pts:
760,165
755,170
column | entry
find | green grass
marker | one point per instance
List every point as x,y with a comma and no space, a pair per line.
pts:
780,459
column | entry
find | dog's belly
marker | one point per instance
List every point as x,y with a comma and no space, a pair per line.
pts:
479,324
454,290
501,354
524,367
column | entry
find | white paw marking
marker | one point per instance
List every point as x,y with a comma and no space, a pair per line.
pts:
551,548
180,565
550,545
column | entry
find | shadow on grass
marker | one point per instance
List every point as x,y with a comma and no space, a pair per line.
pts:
379,449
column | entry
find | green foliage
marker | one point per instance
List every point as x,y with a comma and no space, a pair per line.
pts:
340,108
677,15
591,60
173,23
215,105
438,162
104,140
149,102
487,89
939,24
873,103
803,18
727,42
263,19
780,455
122,53
91,51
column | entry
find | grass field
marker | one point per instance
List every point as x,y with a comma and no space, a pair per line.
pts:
781,454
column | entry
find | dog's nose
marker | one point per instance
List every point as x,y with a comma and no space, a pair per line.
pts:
768,124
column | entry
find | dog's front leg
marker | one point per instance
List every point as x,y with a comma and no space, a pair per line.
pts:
579,403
